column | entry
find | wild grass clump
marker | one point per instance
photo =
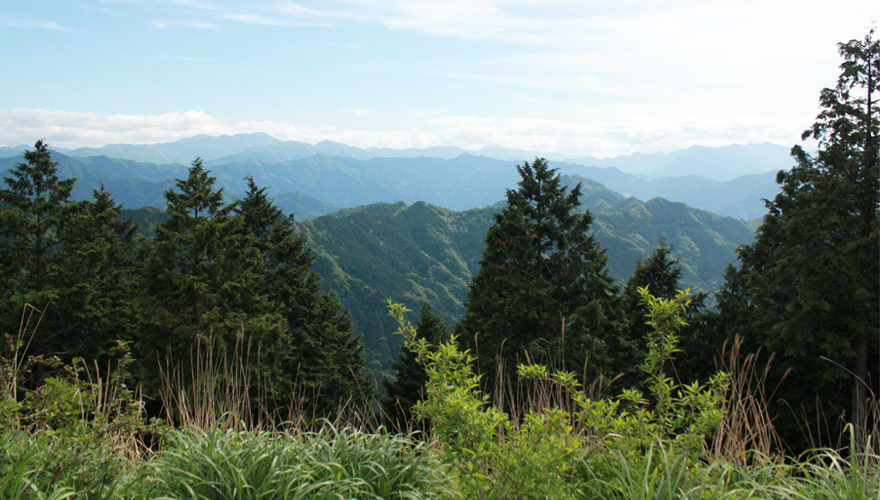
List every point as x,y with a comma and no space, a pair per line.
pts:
330,464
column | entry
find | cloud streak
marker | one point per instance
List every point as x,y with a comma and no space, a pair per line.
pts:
578,138
187,23
31,22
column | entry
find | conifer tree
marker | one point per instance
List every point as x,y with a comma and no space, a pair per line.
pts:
408,386
543,288
32,230
809,285
202,277
99,275
661,274
68,259
322,361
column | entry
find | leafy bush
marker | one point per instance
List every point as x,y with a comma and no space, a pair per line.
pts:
545,453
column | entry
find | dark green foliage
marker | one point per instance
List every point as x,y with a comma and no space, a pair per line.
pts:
808,287
32,228
323,361
202,277
68,259
237,274
543,292
408,386
661,275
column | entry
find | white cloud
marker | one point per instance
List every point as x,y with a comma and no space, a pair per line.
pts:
608,138
71,129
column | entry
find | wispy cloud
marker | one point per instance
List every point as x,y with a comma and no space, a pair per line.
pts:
198,4
608,138
188,23
31,22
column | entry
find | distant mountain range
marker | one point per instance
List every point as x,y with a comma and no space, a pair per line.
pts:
323,183
717,164
183,151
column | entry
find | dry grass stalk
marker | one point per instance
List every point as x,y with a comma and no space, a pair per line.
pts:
214,391
746,433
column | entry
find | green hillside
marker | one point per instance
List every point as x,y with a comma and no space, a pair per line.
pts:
408,254
704,243
417,253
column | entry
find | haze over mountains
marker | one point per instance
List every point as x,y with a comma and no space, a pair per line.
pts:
718,164
313,180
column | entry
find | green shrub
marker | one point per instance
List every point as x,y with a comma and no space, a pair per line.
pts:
545,453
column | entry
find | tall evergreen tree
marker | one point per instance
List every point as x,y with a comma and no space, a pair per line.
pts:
32,231
660,274
543,288
69,259
809,285
99,276
323,362
201,277
408,386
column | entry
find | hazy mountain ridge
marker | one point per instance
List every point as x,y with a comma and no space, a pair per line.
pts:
183,151
460,183
740,198
717,164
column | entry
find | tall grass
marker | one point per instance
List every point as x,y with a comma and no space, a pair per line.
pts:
80,436
746,432
345,463
213,389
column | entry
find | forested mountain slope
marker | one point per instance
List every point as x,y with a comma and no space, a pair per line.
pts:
704,243
408,254
412,254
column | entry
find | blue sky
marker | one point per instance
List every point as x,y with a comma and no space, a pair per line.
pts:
575,77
